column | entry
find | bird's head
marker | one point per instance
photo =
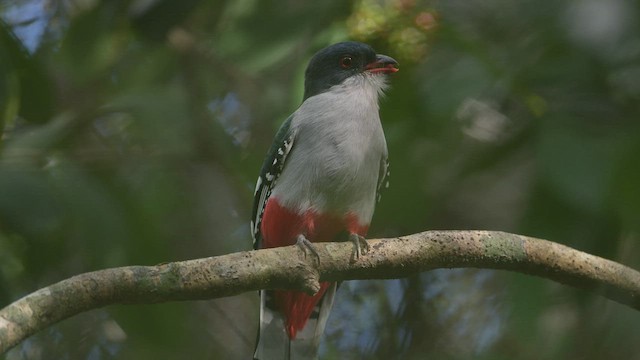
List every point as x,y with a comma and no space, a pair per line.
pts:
334,64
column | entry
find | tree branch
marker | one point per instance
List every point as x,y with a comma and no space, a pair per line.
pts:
287,268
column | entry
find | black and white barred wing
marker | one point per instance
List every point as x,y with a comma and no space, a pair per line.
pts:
383,177
271,170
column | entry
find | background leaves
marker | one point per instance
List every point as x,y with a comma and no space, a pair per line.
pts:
132,133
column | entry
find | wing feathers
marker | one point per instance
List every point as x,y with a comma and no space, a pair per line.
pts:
271,169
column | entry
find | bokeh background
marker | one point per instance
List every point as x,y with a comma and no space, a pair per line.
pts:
132,133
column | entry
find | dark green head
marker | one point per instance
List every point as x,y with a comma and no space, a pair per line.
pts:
336,63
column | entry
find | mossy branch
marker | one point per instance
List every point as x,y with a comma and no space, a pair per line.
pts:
288,268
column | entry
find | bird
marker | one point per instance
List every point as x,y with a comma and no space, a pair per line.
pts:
320,181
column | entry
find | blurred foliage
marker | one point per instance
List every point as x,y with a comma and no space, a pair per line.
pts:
132,133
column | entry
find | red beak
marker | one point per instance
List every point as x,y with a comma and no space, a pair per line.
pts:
383,64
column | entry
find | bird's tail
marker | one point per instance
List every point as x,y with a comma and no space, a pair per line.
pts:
273,342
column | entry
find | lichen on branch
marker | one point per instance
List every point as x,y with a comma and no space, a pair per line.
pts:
289,268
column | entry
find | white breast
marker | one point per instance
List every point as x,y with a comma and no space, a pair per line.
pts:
335,162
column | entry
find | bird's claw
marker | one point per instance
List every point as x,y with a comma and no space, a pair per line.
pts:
361,247
305,245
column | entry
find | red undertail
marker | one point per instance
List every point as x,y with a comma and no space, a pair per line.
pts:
281,227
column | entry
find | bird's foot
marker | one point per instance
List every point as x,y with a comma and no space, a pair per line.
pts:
306,245
361,247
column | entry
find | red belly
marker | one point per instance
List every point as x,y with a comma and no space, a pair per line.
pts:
281,227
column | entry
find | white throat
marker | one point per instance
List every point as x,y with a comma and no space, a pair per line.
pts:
367,85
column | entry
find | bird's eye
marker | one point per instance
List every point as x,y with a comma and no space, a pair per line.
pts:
346,62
